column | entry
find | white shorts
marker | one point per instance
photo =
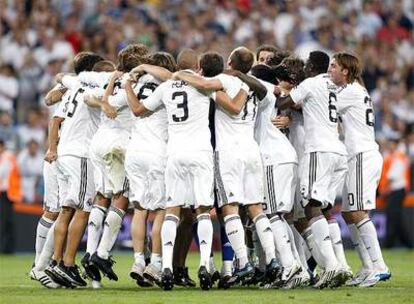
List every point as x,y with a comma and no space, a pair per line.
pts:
322,173
108,147
75,177
280,186
51,196
145,172
239,177
189,180
362,181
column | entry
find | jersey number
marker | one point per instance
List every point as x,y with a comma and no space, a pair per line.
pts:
74,102
182,105
333,115
146,90
369,113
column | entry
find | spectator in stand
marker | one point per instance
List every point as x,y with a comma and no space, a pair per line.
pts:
8,133
32,129
9,194
30,161
9,87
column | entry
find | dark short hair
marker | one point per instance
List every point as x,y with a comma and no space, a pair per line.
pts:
165,60
128,61
264,72
84,61
291,69
266,48
242,59
212,64
135,48
277,58
319,61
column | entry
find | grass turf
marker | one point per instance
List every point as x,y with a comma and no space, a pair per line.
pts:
16,287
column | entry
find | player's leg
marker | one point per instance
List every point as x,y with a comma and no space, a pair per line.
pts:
360,199
183,241
154,269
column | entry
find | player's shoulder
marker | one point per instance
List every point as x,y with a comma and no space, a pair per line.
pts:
354,90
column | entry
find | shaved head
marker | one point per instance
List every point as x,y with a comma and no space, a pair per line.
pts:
241,59
187,59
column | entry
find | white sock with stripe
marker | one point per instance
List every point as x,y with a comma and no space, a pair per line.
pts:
47,251
205,238
336,239
359,247
235,233
264,231
42,229
320,231
112,225
168,234
95,228
282,241
369,237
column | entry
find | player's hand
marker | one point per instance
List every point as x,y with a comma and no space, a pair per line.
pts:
109,110
117,74
127,80
50,156
138,70
285,86
281,122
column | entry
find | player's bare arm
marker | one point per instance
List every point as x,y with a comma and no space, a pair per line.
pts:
160,73
95,102
253,83
54,125
233,106
198,82
55,95
134,103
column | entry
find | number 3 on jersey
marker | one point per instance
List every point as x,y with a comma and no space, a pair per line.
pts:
182,100
333,115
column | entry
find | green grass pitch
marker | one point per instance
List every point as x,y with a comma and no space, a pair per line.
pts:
16,287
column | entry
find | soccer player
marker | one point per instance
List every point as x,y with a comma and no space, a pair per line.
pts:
364,164
324,162
76,185
108,149
145,162
265,52
239,171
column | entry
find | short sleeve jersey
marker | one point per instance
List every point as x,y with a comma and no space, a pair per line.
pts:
319,103
357,118
187,115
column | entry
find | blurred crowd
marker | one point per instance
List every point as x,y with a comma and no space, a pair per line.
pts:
39,38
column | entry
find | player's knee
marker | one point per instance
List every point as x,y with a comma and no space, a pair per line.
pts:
51,215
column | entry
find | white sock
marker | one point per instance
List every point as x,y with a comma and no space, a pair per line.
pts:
168,234
43,227
282,241
264,231
313,248
47,251
320,231
205,238
139,258
235,234
369,237
259,250
95,227
336,239
156,260
227,268
359,247
212,264
300,245
112,225
292,242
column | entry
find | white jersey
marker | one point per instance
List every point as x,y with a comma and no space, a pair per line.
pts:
274,145
187,113
357,117
318,96
234,130
150,133
297,132
81,123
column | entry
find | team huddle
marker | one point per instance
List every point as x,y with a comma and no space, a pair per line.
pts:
267,142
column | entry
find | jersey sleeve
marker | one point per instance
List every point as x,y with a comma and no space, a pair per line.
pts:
70,82
155,99
60,110
94,78
300,93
